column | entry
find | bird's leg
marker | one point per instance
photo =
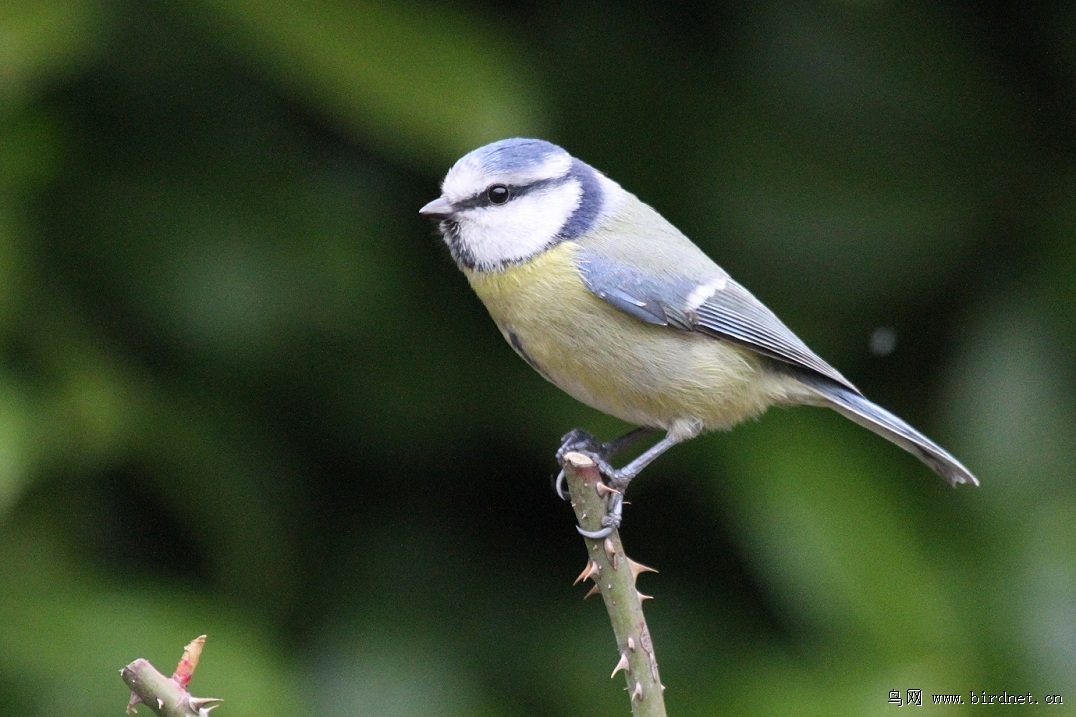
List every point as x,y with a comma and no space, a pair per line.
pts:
621,442
617,479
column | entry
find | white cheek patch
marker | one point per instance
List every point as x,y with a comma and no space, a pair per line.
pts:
502,234
702,293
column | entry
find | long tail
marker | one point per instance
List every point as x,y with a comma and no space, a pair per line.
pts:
870,415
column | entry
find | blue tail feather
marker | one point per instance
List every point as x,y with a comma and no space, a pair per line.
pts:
854,406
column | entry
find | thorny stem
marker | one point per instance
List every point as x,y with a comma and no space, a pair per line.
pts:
614,576
168,696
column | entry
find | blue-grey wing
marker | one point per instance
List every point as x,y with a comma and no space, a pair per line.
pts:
728,311
735,314
627,288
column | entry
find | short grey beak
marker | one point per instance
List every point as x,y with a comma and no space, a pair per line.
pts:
439,207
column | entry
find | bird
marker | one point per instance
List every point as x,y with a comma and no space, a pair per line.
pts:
610,302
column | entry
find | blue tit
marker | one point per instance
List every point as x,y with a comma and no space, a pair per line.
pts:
609,301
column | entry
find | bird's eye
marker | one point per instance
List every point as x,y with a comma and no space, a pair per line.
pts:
498,194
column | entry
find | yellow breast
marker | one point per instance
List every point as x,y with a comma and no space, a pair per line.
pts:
641,373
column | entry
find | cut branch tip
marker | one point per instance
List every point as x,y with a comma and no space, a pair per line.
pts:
578,460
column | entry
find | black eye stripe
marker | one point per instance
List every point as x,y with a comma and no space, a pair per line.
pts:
514,190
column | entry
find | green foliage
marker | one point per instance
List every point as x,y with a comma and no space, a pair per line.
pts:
244,392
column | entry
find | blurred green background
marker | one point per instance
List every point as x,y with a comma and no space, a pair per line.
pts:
244,391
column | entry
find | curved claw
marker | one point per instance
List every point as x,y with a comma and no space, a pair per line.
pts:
560,486
596,534
610,522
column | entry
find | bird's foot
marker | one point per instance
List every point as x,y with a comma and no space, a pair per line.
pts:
579,441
